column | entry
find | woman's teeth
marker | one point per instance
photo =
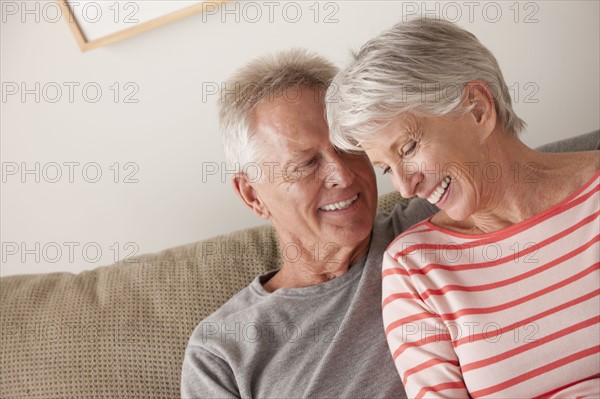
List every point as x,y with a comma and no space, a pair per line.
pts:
439,191
339,205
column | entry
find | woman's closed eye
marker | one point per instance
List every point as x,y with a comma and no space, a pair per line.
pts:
409,148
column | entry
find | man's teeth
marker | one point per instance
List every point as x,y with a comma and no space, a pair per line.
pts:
439,191
339,205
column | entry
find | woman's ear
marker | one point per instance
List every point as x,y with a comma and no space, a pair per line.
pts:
483,106
249,195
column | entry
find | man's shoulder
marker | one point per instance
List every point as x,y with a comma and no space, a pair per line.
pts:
239,309
583,142
235,306
387,226
404,215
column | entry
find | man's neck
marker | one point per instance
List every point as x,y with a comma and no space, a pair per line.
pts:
317,264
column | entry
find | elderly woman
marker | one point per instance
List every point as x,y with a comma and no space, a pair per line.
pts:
496,295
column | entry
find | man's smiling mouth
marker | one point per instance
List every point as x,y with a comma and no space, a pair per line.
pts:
339,205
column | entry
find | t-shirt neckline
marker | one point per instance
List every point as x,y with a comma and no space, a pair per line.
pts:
327,287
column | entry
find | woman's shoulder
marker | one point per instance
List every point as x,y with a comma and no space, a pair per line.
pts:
418,233
589,159
575,167
582,167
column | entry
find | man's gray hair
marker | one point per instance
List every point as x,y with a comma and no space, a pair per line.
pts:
420,66
264,78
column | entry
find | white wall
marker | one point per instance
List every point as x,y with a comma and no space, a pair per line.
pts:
171,132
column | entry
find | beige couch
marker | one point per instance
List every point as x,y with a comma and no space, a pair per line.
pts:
120,331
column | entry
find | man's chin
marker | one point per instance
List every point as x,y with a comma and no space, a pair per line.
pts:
353,234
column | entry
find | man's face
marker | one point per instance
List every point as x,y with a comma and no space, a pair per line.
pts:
310,191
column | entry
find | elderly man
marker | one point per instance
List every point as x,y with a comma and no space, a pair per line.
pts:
312,328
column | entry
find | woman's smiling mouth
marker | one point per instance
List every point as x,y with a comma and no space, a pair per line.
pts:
435,196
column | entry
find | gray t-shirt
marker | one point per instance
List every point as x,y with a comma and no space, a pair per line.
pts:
323,341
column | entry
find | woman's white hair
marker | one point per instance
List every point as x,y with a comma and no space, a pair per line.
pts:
420,66
264,78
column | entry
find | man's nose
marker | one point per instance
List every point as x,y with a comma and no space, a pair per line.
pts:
337,173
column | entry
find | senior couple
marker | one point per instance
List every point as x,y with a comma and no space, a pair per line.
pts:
486,285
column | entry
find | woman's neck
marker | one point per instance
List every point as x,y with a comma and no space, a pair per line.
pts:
526,182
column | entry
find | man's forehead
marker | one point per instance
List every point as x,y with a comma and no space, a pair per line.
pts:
295,135
291,129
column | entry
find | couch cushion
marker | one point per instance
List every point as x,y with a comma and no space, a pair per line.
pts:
120,331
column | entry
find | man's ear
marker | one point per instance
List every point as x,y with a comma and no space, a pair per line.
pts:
247,192
480,99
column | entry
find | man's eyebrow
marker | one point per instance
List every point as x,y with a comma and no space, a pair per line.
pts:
300,153
293,155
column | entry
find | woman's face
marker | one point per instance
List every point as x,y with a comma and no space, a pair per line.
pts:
441,159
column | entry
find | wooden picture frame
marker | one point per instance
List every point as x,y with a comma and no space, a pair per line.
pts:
119,25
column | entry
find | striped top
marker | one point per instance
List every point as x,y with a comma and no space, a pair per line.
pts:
509,314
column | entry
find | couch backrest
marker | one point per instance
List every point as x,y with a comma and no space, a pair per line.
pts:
120,331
